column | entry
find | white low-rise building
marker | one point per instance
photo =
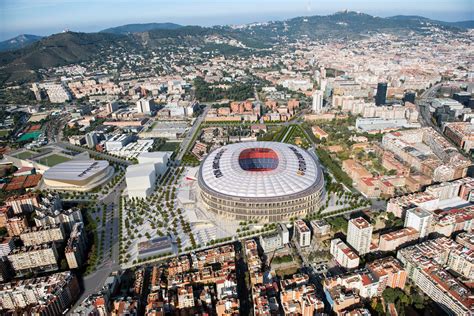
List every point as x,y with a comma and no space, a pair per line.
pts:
159,159
140,180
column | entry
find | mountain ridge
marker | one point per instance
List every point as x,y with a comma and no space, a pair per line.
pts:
141,27
18,42
60,49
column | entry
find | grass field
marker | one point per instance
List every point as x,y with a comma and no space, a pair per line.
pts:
169,146
286,272
25,155
31,135
53,160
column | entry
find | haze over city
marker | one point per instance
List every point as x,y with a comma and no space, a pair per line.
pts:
45,17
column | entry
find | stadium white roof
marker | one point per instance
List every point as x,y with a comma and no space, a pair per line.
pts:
75,170
296,171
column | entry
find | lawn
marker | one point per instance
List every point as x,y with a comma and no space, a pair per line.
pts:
169,146
25,155
297,136
53,160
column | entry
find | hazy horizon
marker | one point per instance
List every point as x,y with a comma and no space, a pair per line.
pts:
45,17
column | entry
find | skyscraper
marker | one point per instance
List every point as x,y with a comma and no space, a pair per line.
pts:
381,96
91,139
112,107
145,106
317,101
359,235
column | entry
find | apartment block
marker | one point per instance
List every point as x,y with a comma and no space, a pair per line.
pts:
359,235
425,263
302,233
25,203
343,254
16,225
41,235
40,258
393,240
420,220
49,295
76,247
388,272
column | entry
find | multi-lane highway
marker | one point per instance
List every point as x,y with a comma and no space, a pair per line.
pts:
423,104
189,137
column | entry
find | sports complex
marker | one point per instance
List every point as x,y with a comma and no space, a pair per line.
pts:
78,175
265,181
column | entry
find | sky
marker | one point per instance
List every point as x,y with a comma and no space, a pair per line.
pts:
45,17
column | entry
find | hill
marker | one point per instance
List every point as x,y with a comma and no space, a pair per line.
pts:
461,24
65,48
341,25
19,41
137,28
57,50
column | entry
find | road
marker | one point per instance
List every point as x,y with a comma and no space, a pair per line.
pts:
110,250
423,105
185,143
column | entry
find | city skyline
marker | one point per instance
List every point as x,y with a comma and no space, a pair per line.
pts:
47,17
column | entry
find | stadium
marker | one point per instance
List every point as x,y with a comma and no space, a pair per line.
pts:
78,175
265,181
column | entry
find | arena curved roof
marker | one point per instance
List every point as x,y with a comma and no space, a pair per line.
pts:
259,170
75,170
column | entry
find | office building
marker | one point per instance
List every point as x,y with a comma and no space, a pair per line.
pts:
359,235
159,158
145,106
141,180
117,142
409,96
317,101
381,96
91,139
112,107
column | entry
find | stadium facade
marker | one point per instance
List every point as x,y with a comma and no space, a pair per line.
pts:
265,181
78,175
